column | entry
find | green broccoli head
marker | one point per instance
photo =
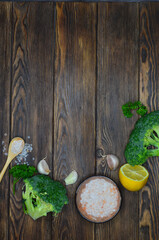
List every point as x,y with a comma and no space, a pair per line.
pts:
144,140
41,195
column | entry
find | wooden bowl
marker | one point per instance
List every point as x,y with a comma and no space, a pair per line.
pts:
98,199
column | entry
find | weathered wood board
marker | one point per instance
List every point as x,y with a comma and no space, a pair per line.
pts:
65,71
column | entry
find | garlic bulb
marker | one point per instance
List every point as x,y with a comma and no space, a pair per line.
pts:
71,178
43,167
112,161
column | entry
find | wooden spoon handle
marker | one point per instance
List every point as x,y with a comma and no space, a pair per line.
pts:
4,170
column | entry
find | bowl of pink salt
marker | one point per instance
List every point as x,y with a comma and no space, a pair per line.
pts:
98,199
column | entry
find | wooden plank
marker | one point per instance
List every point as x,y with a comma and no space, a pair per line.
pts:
5,76
88,1
117,83
74,109
149,95
32,101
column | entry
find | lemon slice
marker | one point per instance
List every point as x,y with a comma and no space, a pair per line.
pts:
133,178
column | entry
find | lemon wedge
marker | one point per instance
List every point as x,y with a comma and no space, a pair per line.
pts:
133,178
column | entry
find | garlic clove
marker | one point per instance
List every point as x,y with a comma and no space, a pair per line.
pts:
71,178
43,167
112,161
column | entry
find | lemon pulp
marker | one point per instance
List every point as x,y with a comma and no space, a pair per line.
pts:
133,178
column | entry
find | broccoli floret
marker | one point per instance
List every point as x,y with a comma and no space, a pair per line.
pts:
41,195
144,140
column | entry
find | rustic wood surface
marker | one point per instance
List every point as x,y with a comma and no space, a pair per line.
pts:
32,100
5,110
149,95
65,71
117,76
74,108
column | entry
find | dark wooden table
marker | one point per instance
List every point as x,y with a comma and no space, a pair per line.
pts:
65,71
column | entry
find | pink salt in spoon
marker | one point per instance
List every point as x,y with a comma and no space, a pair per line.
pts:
15,148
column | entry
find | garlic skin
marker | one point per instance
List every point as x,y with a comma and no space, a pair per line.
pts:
71,178
112,161
43,167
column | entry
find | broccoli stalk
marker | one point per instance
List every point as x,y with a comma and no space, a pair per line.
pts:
144,139
33,205
153,141
42,195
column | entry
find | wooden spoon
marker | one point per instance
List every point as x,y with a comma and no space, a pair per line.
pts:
15,147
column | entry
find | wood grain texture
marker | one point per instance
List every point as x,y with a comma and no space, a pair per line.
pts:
5,76
74,109
68,102
149,95
117,83
89,1
32,101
